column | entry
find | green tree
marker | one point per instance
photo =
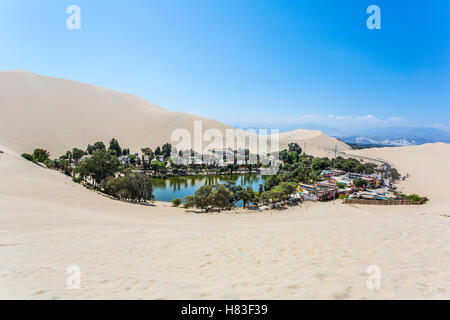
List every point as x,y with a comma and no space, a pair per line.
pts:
321,163
166,150
271,182
112,186
77,154
136,187
149,153
360,183
282,191
49,163
220,198
247,195
269,197
40,155
114,145
201,197
211,197
158,166
176,202
295,148
132,159
286,189
90,149
101,165
97,146
278,193
63,164
189,202
28,156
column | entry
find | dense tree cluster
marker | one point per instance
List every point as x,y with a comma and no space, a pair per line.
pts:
246,195
281,192
97,146
101,165
271,182
210,198
412,197
354,165
109,169
132,186
39,156
222,197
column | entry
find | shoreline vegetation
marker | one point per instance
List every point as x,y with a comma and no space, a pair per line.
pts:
124,176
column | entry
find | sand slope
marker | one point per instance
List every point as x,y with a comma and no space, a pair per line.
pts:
314,142
151,252
427,165
129,251
58,114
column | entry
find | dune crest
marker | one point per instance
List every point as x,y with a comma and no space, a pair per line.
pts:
314,142
59,114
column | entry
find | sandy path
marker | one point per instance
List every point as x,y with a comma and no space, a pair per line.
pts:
128,251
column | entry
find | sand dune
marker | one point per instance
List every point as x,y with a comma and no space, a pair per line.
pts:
129,251
314,142
322,250
58,114
427,166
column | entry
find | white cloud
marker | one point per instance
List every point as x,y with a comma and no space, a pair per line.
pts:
310,116
368,117
441,126
396,119
334,117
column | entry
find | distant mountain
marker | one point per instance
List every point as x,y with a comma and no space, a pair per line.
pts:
398,136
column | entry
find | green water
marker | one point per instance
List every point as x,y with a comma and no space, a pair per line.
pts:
179,187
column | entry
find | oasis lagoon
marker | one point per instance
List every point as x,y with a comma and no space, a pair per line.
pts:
167,189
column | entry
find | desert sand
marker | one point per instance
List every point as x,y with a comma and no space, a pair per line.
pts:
319,250
313,142
59,114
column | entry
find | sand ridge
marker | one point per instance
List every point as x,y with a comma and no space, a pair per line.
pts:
129,251
58,115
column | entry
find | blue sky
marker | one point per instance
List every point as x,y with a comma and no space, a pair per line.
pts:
248,63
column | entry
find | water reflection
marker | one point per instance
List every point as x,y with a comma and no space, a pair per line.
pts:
180,187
